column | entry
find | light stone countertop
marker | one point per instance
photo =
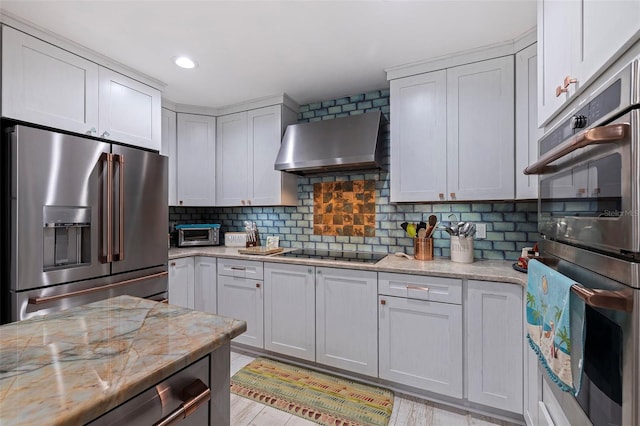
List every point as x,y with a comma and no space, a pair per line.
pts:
71,367
484,270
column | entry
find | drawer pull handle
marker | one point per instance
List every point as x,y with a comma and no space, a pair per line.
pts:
173,263
383,302
568,80
560,90
238,268
257,285
193,396
416,287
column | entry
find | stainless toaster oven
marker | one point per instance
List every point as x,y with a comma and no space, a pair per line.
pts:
200,234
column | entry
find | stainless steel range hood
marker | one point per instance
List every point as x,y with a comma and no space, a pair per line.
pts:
341,144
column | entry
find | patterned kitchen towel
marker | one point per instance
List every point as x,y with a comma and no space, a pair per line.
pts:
554,315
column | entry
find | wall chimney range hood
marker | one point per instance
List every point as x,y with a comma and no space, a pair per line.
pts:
351,143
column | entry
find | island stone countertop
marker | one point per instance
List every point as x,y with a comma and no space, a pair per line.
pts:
71,367
484,270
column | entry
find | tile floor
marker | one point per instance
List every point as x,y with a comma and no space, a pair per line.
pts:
406,411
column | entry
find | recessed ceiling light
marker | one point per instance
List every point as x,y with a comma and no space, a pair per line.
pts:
184,62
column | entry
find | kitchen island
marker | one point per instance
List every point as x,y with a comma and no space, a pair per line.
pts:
73,366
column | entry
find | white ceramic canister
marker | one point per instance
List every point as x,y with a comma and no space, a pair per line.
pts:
462,249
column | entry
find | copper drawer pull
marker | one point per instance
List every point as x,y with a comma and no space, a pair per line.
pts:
568,80
46,299
560,91
193,396
383,302
416,287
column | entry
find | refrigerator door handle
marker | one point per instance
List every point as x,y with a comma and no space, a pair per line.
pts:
119,158
46,299
106,224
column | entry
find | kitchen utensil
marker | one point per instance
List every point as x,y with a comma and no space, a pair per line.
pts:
411,230
432,225
422,233
400,254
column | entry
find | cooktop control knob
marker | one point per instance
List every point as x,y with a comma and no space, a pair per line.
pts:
578,122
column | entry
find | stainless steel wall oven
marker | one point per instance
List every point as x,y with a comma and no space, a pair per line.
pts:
589,223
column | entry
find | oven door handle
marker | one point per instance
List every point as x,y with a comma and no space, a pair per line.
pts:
598,135
606,299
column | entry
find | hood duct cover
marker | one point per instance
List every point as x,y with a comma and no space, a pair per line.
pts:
341,144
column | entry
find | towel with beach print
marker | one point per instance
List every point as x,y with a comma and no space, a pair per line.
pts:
553,316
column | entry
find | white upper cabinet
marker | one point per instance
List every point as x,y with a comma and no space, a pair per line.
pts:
196,153
419,135
129,111
480,126
232,167
247,146
46,85
452,133
527,131
576,40
169,148
49,86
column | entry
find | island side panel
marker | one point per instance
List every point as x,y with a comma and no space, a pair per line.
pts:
219,382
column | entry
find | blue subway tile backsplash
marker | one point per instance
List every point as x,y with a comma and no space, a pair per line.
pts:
510,225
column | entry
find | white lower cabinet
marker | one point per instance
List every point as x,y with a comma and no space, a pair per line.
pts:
290,310
494,340
204,286
346,319
421,344
181,282
240,296
532,387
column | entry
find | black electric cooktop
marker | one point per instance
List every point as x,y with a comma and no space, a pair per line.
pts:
348,256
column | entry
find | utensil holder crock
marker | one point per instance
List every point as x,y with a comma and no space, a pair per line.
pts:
423,248
462,249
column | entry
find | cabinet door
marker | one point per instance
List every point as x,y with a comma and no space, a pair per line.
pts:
421,344
45,85
181,282
290,310
607,27
494,341
204,286
129,111
196,160
418,138
527,131
232,163
265,135
557,29
346,324
169,148
480,133
242,298
532,387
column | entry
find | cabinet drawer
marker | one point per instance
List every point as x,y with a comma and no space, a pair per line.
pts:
240,268
436,289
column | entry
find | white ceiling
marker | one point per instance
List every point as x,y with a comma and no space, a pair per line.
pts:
311,50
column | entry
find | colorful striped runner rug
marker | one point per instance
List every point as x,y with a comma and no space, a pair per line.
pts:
318,397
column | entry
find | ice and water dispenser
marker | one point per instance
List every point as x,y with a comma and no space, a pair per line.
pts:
67,237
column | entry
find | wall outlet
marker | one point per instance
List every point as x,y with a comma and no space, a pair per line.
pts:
481,231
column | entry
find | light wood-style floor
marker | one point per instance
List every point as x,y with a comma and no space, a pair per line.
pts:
406,412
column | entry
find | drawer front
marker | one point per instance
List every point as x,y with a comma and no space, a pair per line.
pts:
241,268
435,289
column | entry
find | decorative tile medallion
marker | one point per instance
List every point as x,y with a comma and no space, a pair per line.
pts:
345,208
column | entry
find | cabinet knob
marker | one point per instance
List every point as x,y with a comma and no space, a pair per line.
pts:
383,302
568,80
106,134
560,91
309,270
453,195
180,202
173,263
582,191
93,131
248,202
242,202
441,195
257,285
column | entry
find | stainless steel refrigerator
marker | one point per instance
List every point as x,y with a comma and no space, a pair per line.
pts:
83,219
